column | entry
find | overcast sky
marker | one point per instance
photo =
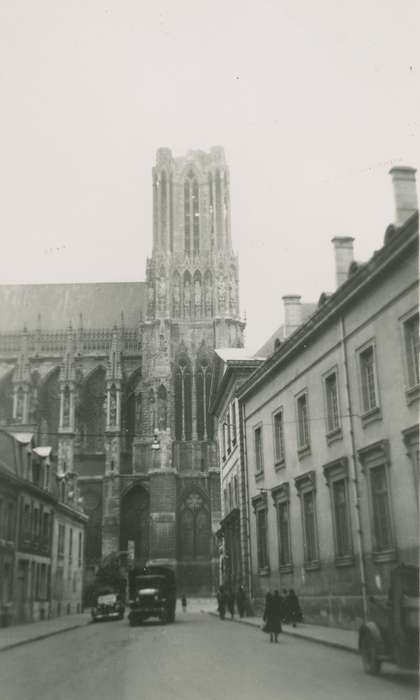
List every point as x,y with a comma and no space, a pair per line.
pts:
312,101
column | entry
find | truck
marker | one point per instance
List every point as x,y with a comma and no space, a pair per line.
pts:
152,593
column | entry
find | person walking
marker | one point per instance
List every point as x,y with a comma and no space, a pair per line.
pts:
293,607
273,612
221,602
184,602
241,601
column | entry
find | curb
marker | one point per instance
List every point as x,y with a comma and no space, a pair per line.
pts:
324,642
39,637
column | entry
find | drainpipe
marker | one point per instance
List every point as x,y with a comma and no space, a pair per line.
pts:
353,469
245,497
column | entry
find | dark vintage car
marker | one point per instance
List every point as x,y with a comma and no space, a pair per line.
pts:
108,606
391,632
152,594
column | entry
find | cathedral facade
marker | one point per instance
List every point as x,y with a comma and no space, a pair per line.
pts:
116,378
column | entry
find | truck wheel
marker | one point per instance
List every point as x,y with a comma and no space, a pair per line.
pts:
371,663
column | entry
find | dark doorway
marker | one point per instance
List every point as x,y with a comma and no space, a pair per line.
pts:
135,512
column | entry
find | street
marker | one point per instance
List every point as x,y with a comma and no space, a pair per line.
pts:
199,657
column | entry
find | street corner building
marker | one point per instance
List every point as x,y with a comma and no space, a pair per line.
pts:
115,377
330,426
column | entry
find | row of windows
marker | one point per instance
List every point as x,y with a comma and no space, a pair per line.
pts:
35,523
369,396
381,521
61,542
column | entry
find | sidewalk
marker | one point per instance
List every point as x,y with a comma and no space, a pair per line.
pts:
17,635
329,636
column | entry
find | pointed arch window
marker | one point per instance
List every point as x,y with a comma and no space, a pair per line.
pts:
113,406
152,410
195,530
20,400
196,216
211,209
191,214
219,209
204,421
187,216
163,209
66,407
183,400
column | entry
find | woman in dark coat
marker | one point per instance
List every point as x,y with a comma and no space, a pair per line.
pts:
273,612
293,608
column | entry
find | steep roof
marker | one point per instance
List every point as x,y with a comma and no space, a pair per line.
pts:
99,303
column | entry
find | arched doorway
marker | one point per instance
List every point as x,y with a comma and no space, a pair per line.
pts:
135,525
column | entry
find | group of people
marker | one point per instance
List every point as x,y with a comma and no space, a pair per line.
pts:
228,599
280,609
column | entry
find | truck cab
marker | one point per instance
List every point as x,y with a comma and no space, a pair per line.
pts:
152,594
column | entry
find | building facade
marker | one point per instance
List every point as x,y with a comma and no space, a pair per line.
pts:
104,371
230,369
332,438
32,497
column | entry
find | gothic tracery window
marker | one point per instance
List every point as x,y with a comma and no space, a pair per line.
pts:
204,420
183,402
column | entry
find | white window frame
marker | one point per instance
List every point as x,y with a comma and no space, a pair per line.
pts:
335,433
303,449
281,496
259,468
412,391
377,455
305,484
259,504
279,459
334,472
370,413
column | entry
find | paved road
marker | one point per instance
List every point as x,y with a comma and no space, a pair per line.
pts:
198,658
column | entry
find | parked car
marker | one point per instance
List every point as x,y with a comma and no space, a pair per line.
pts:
392,630
108,606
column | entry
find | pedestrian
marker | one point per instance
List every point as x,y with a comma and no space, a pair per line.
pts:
184,602
273,612
293,607
221,602
230,600
241,601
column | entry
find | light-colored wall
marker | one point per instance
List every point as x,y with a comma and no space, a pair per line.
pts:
376,314
67,574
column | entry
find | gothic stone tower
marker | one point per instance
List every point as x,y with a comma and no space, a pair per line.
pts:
192,307
98,368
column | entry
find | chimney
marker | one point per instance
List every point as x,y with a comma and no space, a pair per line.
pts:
343,251
405,193
292,313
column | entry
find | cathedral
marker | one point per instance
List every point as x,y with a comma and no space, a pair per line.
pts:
116,378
